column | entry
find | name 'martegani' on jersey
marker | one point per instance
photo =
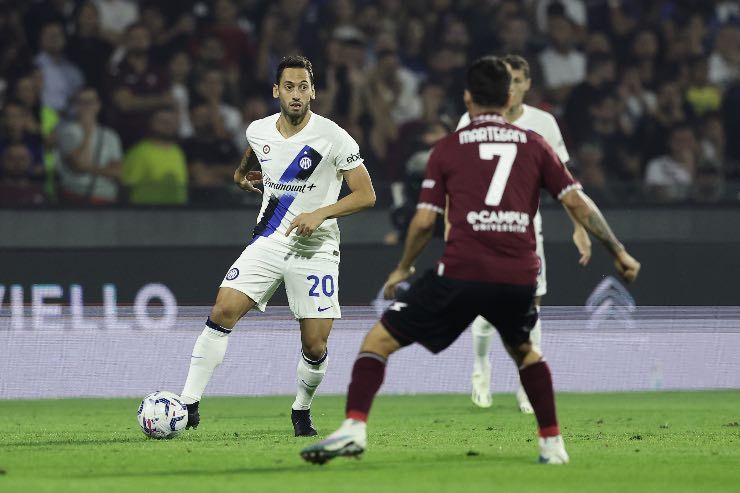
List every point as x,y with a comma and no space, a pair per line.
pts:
492,134
499,221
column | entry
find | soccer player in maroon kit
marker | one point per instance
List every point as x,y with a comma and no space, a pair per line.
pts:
492,173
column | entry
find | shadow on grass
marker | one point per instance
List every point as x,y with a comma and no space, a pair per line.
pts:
456,460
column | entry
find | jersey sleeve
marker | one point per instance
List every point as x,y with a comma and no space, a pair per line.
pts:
464,121
555,139
433,191
555,176
347,155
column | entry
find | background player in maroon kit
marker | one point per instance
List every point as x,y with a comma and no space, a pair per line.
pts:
492,172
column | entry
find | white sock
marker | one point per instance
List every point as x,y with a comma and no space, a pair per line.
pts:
208,353
309,375
535,337
482,336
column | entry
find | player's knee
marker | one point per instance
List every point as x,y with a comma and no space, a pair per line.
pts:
314,349
224,315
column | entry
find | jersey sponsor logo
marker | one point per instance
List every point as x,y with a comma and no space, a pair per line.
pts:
428,183
491,134
232,274
305,162
287,187
266,149
353,157
499,221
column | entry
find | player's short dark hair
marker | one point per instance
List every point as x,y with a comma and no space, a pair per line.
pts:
517,62
294,61
488,80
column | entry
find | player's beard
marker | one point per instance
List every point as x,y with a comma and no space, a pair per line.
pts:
289,114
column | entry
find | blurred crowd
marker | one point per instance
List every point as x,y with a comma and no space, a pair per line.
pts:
146,102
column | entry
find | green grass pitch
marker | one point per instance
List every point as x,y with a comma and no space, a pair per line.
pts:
622,442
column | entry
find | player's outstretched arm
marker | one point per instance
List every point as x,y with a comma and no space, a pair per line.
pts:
588,214
245,176
420,232
580,239
361,196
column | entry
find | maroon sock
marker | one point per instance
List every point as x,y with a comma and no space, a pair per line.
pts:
537,382
367,377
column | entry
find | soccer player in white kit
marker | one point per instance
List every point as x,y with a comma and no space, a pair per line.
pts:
303,157
543,123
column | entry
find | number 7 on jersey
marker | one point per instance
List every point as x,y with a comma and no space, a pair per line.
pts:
506,154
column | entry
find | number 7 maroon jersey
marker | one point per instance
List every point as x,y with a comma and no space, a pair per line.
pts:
492,173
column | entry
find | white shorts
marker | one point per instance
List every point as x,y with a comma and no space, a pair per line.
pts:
311,282
540,245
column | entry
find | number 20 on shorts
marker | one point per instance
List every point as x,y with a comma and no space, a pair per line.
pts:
327,285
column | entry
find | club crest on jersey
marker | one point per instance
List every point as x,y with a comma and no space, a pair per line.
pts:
305,162
232,274
266,149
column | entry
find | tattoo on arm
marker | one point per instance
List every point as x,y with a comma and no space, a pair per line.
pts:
597,225
244,163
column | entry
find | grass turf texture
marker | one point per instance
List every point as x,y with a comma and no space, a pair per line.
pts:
667,441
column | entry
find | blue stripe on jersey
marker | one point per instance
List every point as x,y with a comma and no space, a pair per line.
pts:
301,168
303,165
275,211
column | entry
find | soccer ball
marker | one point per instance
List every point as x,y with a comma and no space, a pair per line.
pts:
162,415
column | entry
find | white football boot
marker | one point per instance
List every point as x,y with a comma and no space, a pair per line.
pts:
552,451
350,440
523,401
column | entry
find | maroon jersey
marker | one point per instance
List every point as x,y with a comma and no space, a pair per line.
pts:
492,173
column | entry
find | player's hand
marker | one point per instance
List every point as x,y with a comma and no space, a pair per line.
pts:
583,244
395,277
305,224
248,182
627,266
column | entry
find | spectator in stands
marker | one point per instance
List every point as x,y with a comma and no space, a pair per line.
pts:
601,74
639,101
254,108
391,99
17,187
516,37
167,37
620,158
62,79
670,177
88,48
701,95
180,69
138,87
155,169
670,110
116,16
239,47
17,127
589,165
210,89
14,52
645,53
90,153
211,155
724,61
563,65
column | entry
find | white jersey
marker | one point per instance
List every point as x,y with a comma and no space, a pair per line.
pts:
539,121
301,174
